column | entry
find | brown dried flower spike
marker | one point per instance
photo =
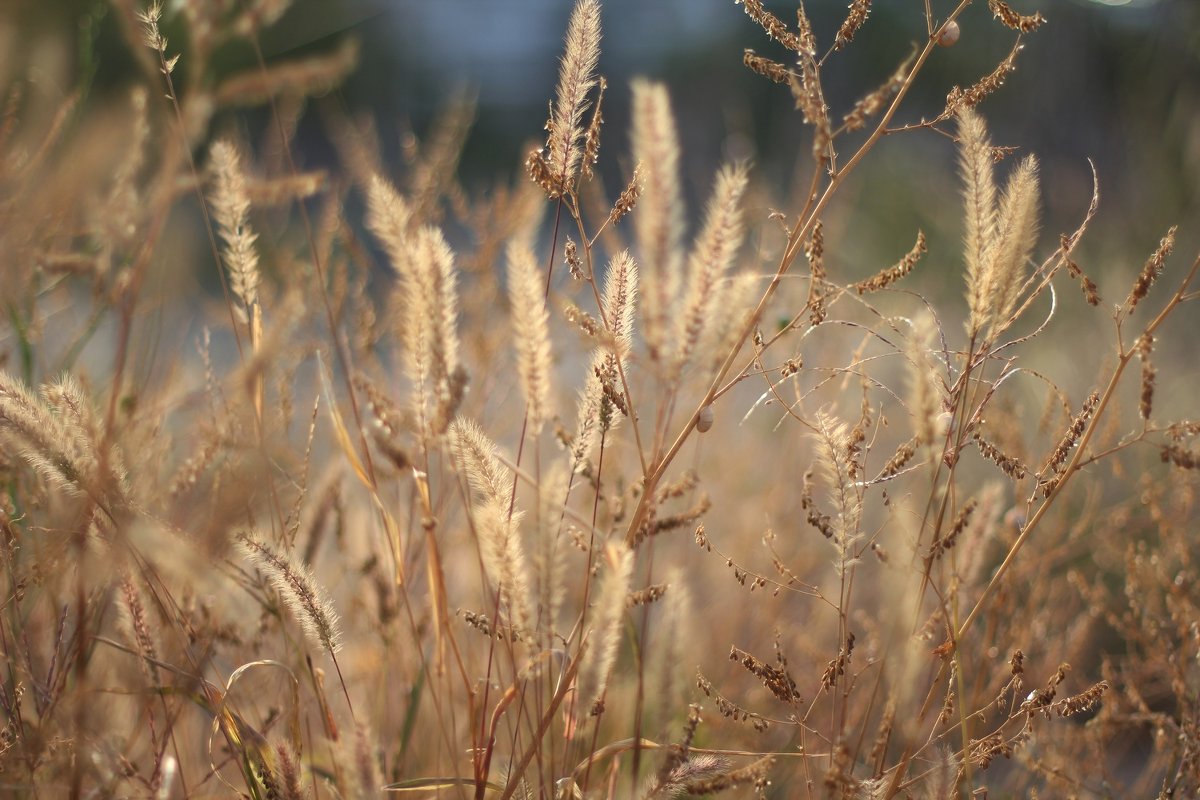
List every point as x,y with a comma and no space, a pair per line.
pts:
1018,22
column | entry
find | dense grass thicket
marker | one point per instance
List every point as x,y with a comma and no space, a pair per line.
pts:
331,483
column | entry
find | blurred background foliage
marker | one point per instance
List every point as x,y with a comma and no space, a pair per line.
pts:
1113,81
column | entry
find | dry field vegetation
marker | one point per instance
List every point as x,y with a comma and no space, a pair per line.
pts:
604,500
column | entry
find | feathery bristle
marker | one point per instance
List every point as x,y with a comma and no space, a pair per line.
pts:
290,784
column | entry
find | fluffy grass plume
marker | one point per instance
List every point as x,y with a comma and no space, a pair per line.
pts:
531,335
606,624
979,194
299,591
576,77
710,261
231,210
658,217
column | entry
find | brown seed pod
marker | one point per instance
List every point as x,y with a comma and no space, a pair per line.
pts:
949,34
705,420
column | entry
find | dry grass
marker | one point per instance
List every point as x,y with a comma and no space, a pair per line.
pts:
367,527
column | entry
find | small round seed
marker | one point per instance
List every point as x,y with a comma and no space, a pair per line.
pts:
949,34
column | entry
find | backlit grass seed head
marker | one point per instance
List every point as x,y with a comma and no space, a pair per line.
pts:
531,334
1010,465
833,461
67,399
151,35
587,423
124,206
979,195
1000,236
576,77
1145,347
549,553
601,401
429,328
298,589
475,458
1016,235
389,217
606,623
710,261
231,210
814,251
924,395
62,456
1049,476
658,221
620,300
679,777
810,101
505,561
735,301
591,139
667,667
